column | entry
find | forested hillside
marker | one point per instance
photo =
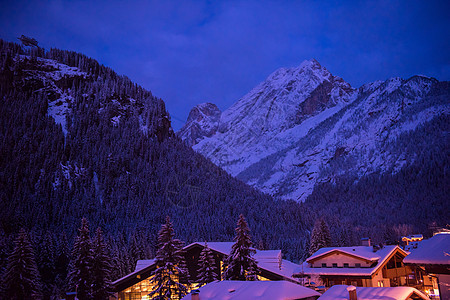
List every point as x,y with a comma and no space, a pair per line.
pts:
77,140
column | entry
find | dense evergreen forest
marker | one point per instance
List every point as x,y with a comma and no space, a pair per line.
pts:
115,161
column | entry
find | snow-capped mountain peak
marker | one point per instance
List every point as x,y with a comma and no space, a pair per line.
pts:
203,121
303,126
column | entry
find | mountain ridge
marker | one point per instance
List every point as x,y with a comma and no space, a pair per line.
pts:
265,151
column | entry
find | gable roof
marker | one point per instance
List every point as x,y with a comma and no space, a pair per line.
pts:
434,251
143,270
268,261
383,255
144,263
221,247
363,252
261,290
340,292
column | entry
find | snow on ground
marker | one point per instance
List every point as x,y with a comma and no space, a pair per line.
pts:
262,290
340,292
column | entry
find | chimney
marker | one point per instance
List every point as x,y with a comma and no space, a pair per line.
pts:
195,295
352,293
365,242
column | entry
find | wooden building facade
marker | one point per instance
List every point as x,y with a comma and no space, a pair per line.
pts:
137,285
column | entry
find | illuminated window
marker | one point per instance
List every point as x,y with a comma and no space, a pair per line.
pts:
139,291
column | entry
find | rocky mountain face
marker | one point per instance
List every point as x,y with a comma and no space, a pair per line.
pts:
303,126
203,121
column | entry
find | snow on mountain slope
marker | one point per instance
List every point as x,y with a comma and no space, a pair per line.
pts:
303,126
56,80
50,77
203,121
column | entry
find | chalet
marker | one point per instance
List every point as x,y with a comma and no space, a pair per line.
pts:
271,267
249,290
363,266
411,242
344,292
432,256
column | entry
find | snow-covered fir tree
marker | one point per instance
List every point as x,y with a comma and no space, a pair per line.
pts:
21,279
80,274
240,263
101,269
320,236
207,270
184,276
62,264
170,266
46,263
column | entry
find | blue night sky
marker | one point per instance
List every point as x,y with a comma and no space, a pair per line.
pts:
189,52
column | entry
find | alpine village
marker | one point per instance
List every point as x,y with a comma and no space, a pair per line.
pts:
102,199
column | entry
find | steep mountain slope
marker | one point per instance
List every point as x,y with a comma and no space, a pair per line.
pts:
77,140
203,121
304,126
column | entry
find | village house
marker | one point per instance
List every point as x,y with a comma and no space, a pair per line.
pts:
433,257
363,266
411,242
136,285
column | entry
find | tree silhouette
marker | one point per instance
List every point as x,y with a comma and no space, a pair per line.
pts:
21,279
240,263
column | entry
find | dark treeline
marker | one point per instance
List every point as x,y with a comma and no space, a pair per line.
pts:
123,178
118,164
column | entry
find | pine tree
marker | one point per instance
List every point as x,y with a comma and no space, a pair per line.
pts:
320,236
101,269
21,279
80,274
166,277
207,270
240,263
62,264
46,264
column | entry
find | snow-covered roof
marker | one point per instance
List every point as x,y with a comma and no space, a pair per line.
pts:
144,263
364,252
267,259
222,247
261,290
434,251
382,254
267,254
413,236
340,292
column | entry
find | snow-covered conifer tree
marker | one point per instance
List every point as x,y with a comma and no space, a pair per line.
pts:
62,264
207,270
168,273
21,279
80,274
240,263
320,236
101,268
